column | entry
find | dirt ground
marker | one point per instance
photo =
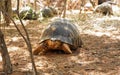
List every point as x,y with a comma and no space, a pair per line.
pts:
100,54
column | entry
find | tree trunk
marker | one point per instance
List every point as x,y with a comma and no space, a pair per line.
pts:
1,7
7,67
8,9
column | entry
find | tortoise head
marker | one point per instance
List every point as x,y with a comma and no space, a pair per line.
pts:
53,44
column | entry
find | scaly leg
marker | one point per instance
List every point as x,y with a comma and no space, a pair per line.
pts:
66,48
39,49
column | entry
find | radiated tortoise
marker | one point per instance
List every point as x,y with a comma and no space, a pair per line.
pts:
61,34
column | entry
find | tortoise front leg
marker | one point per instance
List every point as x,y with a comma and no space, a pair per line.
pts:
66,48
39,49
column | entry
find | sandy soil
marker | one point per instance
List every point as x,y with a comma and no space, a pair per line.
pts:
100,54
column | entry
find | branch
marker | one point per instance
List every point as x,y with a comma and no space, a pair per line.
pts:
25,39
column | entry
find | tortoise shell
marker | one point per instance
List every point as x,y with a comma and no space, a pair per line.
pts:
64,31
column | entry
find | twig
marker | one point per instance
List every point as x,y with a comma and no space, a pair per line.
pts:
25,39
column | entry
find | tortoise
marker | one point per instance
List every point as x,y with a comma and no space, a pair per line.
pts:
27,13
47,12
104,8
60,34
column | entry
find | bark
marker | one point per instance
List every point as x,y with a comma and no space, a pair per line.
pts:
27,40
7,67
8,9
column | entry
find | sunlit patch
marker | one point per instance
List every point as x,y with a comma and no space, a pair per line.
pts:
86,62
116,10
112,18
102,33
41,64
25,22
73,58
24,69
115,37
15,39
76,59
29,65
13,48
0,58
99,34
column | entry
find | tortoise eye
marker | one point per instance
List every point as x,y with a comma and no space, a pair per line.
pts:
45,44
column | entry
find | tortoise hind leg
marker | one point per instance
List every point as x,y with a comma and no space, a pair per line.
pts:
38,49
66,48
